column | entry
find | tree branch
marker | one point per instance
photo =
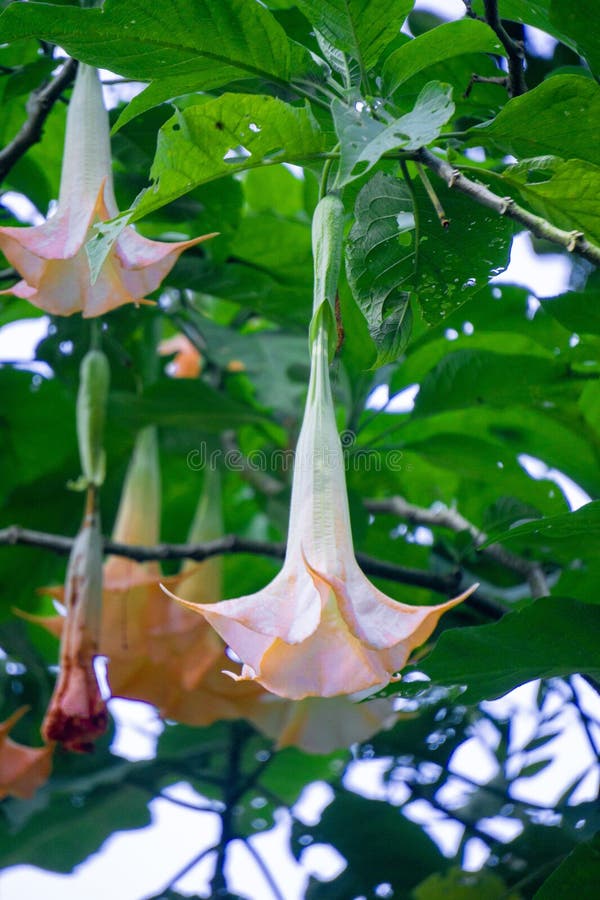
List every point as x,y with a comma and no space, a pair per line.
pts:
514,50
448,584
39,105
452,519
573,241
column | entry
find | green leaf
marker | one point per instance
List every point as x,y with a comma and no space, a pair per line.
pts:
578,876
558,117
554,636
534,768
578,311
437,45
360,28
459,885
29,407
575,22
476,377
567,534
364,140
181,403
270,360
224,136
455,263
183,47
380,257
403,859
563,191
73,825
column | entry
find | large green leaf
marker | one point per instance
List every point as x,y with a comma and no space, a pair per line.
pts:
360,28
438,45
364,140
34,411
554,636
575,22
181,46
474,377
558,117
224,136
355,826
577,311
563,191
456,262
566,535
578,876
183,403
73,824
380,258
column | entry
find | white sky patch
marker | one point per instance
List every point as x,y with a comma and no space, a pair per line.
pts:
575,496
539,43
138,728
22,207
448,9
401,402
545,275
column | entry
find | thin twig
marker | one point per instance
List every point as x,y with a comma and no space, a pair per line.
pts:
39,105
514,50
501,80
452,519
189,866
435,200
266,872
573,241
239,733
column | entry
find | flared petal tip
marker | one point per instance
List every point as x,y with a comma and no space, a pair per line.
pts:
464,596
247,674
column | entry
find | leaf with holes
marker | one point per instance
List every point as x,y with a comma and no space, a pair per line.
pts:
364,140
380,258
224,136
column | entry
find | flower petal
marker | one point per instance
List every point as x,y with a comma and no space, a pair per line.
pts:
380,621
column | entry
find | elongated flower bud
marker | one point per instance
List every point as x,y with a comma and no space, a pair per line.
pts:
94,381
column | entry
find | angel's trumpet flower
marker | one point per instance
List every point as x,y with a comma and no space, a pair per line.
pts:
51,258
320,628
77,715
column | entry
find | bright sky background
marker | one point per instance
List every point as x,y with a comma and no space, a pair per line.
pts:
132,865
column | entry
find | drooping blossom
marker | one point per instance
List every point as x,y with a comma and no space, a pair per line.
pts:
156,653
320,628
51,258
77,714
22,769
165,655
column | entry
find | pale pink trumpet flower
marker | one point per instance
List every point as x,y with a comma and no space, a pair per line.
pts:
320,628
51,258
